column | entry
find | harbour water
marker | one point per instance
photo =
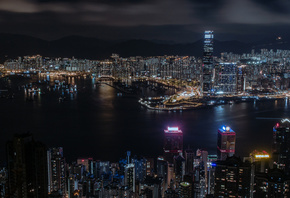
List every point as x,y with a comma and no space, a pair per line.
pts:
96,122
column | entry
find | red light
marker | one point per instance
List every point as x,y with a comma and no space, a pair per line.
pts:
83,160
277,125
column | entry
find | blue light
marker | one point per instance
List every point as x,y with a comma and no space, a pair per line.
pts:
224,128
212,164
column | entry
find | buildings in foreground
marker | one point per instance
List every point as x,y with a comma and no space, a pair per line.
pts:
33,170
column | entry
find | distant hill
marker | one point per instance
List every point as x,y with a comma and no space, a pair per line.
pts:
12,46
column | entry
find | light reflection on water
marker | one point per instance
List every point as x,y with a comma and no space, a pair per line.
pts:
97,123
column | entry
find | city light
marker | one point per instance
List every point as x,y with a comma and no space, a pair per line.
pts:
173,130
285,120
262,156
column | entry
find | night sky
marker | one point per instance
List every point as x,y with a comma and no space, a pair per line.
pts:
174,20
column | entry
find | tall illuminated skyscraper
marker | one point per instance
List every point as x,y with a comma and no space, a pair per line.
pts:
56,170
281,146
208,65
226,143
173,143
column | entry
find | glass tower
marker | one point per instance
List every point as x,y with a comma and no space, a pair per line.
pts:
207,69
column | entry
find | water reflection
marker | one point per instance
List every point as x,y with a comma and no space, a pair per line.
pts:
106,125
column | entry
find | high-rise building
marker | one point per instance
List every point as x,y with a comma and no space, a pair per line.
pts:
227,78
189,158
274,183
226,142
56,170
173,143
281,146
208,65
86,162
201,173
232,178
140,168
27,167
130,176
185,190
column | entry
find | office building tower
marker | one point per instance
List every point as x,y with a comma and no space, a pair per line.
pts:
149,166
185,190
56,171
227,78
3,181
200,173
226,142
173,143
130,176
232,178
281,146
86,162
189,158
261,161
208,64
274,183
241,78
27,167
151,187
179,168
140,168
162,169
101,168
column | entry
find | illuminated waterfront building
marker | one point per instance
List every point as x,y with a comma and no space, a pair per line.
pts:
208,65
173,143
227,78
281,146
226,143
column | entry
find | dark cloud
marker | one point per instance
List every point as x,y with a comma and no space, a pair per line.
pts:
207,8
278,6
114,2
179,20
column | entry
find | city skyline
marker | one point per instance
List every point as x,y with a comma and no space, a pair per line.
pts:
144,98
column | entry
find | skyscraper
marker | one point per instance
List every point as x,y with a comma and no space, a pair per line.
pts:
227,78
281,146
173,143
226,143
56,170
130,176
185,190
232,178
27,167
208,65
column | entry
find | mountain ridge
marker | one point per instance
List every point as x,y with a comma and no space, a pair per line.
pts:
13,45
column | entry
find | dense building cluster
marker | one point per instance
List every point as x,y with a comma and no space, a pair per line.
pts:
227,74
33,170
